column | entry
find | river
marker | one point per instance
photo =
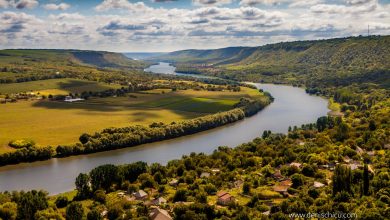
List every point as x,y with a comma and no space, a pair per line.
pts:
292,106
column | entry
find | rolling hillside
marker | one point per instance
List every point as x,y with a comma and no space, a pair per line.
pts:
349,58
100,59
359,52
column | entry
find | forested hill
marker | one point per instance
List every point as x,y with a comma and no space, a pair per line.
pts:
217,56
295,62
359,52
70,57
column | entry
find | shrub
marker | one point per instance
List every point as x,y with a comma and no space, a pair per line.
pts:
21,143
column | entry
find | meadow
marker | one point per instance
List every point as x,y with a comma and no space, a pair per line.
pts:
55,122
56,86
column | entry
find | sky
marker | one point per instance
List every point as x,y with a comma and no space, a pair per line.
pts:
170,25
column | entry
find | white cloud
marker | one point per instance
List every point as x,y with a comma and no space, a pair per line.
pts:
211,2
53,7
21,4
265,2
129,26
121,4
29,4
343,9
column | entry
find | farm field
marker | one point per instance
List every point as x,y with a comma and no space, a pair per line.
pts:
56,86
53,123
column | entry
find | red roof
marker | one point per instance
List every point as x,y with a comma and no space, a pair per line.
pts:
219,194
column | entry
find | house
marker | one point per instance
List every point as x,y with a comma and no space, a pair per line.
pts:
266,213
225,198
280,188
121,194
69,98
238,183
159,201
141,195
215,170
174,182
318,184
353,166
159,214
359,150
371,153
286,182
278,176
297,165
205,175
346,159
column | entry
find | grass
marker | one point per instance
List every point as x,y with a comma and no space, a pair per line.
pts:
56,86
53,123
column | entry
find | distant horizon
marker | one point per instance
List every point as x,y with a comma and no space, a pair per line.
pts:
149,52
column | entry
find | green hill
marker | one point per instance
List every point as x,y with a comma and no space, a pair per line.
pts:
359,52
352,58
100,59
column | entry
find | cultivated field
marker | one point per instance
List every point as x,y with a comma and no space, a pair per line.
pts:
52,123
56,86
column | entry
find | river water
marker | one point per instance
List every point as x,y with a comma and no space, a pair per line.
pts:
292,106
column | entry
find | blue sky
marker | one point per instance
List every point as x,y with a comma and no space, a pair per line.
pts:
167,25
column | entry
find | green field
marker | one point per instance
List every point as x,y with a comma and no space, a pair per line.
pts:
56,86
53,123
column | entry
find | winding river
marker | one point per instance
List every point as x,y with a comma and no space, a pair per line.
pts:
292,106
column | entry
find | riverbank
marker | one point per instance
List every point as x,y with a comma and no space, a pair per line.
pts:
292,106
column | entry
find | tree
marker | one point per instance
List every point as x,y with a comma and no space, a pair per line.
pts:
31,202
131,171
61,202
94,214
114,212
372,125
297,180
82,186
146,181
180,195
246,188
342,132
84,138
342,179
100,196
366,180
102,177
74,211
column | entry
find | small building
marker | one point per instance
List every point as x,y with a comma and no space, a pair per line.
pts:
225,198
318,184
280,189
266,213
205,175
277,175
159,214
371,153
140,195
295,164
346,159
238,183
286,182
174,182
121,194
215,170
69,98
159,201
353,166
359,150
